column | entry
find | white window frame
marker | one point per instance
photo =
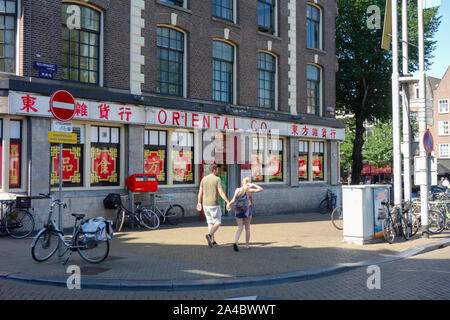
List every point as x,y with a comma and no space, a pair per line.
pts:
441,154
5,156
310,162
169,162
442,102
265,162
444,127
87,157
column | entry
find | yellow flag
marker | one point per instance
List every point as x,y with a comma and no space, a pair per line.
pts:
387,28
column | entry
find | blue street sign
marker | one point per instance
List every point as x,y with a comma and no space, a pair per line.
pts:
45,74
45,66
428,141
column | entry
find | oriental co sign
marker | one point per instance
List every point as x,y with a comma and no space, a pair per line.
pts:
35,105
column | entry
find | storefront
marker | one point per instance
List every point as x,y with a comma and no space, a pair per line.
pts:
295,163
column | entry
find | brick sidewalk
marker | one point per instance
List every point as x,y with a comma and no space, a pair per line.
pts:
279,244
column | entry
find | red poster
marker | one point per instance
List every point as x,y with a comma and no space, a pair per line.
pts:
154,163
70,166
256,162
182,166
14,164
104,165
303,167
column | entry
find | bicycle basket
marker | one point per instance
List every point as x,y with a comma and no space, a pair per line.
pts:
23,202
112,201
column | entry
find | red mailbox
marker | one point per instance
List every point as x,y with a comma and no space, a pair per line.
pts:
142,183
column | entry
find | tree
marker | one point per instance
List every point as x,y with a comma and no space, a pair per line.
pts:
378,147
364,77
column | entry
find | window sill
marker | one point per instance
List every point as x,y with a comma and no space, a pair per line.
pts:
227,22
185,10
317,50
271,36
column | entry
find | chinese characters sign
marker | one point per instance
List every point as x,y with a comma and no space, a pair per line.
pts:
104,166
154,162
317,167
14,164
182,166
72,162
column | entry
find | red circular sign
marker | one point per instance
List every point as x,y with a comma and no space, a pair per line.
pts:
62,105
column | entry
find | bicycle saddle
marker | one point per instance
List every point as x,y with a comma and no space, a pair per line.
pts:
79,216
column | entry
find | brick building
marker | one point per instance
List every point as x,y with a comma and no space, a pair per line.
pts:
166,87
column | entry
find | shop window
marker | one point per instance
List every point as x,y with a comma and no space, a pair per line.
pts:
80,44
275,163
15,151
73,161
183,157
7,35
179,3
105,156
155,154
257,159
303,160
318,161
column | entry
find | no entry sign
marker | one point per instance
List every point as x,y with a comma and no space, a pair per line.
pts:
62,105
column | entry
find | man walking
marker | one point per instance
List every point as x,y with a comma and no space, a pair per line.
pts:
210,189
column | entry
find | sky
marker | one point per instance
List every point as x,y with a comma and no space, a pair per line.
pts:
441,60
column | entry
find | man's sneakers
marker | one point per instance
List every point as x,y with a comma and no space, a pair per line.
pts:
210,242
235,247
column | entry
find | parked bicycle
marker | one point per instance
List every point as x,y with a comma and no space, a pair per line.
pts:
45,244
16,221
337,217
328,204
141,216
437,217
394,224
172,213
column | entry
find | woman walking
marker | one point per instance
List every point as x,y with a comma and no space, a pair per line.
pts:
243,211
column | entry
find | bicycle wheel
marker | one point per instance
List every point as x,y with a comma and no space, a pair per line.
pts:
388,230
175,214
91,251
323,206
436,222
19,223
120,218
415,224
44,246
149,219
406,228
337,218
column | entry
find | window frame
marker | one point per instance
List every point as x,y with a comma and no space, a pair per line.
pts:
273,28
99,49
443,102
315,22
274,75
441,155
318,108
310,155
232,86
218,3
14,37
5,154
158,147
444,127
182,75
174,3
265,153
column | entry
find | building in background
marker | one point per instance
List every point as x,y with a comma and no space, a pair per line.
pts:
166,87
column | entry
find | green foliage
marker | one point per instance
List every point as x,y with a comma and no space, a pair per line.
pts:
378,147
346,147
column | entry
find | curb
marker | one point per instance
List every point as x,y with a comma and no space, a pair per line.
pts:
179,285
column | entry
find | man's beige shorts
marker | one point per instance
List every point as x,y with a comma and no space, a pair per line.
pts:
213,214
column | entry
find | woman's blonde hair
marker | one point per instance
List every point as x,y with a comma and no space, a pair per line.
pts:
245,185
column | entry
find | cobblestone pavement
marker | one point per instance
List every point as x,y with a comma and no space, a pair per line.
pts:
424,277
279,244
